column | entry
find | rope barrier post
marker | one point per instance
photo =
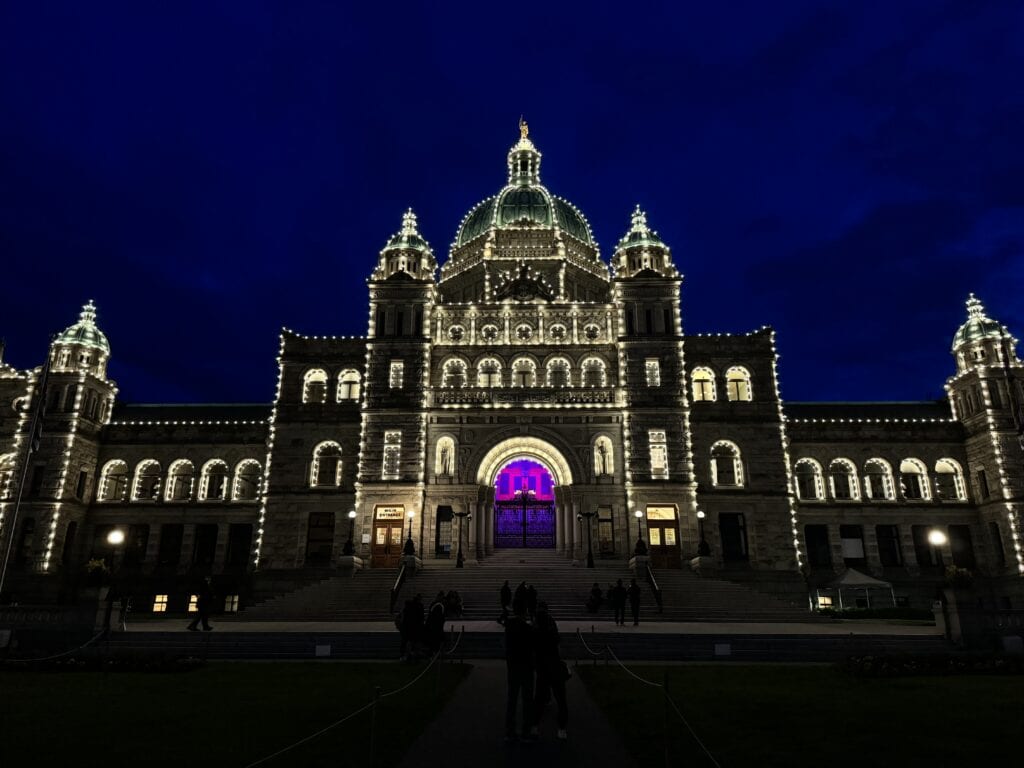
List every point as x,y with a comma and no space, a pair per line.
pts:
373,722
664,717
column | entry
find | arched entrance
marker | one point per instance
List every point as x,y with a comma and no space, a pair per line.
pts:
523,473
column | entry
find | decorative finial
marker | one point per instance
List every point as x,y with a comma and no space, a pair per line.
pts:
524,129
974,306
409,223
88,314
639,219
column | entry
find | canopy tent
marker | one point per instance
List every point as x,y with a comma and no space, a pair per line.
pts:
852,579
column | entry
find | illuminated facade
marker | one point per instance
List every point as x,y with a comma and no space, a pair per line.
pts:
524,383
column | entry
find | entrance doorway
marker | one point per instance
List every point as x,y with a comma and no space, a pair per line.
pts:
733,527
663,533
386,545
524,506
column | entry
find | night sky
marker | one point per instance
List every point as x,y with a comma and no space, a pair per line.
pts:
210,173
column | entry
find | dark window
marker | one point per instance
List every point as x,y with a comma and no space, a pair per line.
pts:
380,327
23,553
399,322
667,318
171,536
605,532
997,544
135,545
630,324
961,546
733,530
239,544
851,537
983,491
995,394
417,329
923,550
69,398
83,478
38,475
648,321
205,546
443,536
819,554
69,543
320,538
889,545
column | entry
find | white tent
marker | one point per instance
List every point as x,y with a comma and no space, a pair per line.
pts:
855,580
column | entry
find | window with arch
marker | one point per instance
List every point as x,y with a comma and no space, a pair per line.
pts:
326,469
488,372
657,443
702,382
949,480
594,373
842,479
914,480
349,382
524,372
314,386
604,458
737,384
180,477
214,483
391,468
559,373
878,480
444,457
246,486
454,374
726,466
810,485
113,483
147,481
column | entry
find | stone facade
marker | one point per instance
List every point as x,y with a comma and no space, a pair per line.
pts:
527,346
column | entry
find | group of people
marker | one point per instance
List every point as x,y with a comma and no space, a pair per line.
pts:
419,631
536,672
617,596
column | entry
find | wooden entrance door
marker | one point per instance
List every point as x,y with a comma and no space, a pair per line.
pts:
663,533
387,543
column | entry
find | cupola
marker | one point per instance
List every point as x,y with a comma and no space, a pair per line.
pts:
406,254
82,346
982,340
641,252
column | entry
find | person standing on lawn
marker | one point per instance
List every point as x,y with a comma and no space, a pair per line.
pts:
634,601
519,664
551,671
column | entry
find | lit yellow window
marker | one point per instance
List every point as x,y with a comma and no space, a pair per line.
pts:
231,604
193,603
160,604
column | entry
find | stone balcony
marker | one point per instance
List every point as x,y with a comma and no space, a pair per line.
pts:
526,396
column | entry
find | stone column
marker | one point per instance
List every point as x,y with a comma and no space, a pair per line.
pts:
559,529
578,532
469,552
488,528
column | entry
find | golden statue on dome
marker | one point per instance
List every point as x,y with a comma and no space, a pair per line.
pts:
524,129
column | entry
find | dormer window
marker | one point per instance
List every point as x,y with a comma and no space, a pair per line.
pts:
979,354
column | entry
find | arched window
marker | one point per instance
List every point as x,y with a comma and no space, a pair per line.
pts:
488,372
113,481
604,459
726,468
559,372
455,374
247,481
737,384
326,469
314,386
809,483
842,477
147,481
593,372
348,385
949,480
914,480
878,480
444,457
214,483
703,384
524,372
180,476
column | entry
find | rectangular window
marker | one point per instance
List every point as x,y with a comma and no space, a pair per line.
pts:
851,538
171,535
652,371
83,479
392,455
961,546
159,603
38,475
205,545
658,446
819,554
983,491
193,603
231,604
397,374
889,551
239,544
923,550
997,544
605,531
994,395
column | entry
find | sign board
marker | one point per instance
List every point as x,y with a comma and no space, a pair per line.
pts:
366,538
389,513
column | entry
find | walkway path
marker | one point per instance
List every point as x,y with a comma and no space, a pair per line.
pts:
469,731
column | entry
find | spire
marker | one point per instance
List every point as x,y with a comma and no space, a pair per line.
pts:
523,160
409,223
641,249
975,309
406,252
87,316
640,221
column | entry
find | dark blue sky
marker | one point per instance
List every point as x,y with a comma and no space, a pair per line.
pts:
210,173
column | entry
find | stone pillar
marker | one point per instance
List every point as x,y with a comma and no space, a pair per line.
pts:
578,532
488,528
469,552
559,529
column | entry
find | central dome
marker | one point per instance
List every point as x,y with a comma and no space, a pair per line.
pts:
524,202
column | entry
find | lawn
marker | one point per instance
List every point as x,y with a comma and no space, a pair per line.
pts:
802,715
224,714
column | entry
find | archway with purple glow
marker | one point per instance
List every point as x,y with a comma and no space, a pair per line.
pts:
524,509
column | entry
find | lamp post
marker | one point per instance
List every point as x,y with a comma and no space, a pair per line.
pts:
937,539
115,539
410,548
639,525
350,545
590,549
703,549
461,516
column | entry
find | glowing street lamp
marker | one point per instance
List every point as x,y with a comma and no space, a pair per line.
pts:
937,539
703,548
350,547
410,547
115,538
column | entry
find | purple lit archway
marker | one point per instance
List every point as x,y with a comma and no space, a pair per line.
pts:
524,507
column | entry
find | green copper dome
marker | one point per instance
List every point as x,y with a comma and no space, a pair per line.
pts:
978,326
84,332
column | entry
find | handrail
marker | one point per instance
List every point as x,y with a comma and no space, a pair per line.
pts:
654,586
396,588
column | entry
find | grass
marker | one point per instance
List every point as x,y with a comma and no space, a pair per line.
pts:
227,714
797,716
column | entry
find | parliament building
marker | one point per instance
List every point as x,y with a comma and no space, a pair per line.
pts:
526,393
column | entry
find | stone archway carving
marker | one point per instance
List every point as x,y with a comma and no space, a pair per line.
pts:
524,446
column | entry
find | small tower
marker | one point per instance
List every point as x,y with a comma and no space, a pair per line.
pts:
641,250
406,253
81,348
523,160
982,341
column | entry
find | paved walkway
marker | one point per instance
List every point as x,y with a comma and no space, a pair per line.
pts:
469,732
567,627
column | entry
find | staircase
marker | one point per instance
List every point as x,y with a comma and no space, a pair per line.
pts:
564,586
